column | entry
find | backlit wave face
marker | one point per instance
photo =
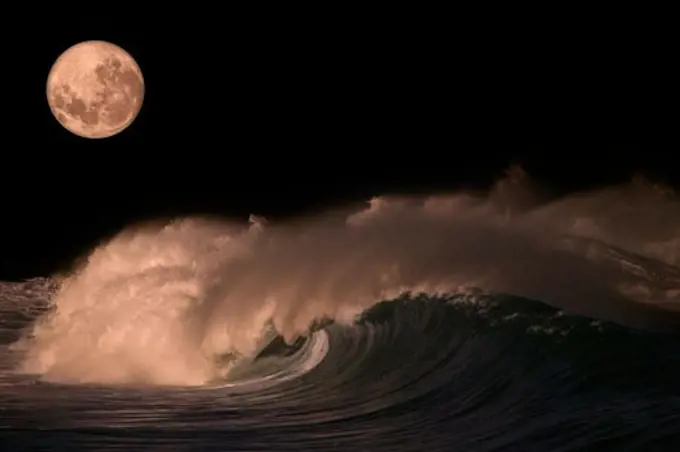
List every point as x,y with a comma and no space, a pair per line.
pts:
195,301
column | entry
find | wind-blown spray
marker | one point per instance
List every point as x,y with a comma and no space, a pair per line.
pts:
179,303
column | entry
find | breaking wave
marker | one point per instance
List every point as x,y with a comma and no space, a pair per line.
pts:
189,301
494,319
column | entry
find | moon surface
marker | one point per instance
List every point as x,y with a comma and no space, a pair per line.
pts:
95,89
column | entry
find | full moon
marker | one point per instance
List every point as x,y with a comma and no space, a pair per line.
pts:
95,89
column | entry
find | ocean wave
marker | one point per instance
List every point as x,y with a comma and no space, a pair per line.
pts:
468,368
486,321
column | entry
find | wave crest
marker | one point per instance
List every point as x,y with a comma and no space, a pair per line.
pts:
164,303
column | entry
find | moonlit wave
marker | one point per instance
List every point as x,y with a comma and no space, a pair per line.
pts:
186,303
456,322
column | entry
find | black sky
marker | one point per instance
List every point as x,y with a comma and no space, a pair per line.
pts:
278,116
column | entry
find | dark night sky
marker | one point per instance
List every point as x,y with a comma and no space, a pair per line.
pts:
256,114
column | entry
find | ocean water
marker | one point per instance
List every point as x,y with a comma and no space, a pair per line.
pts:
462,322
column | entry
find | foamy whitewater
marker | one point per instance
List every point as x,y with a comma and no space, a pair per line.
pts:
454,322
